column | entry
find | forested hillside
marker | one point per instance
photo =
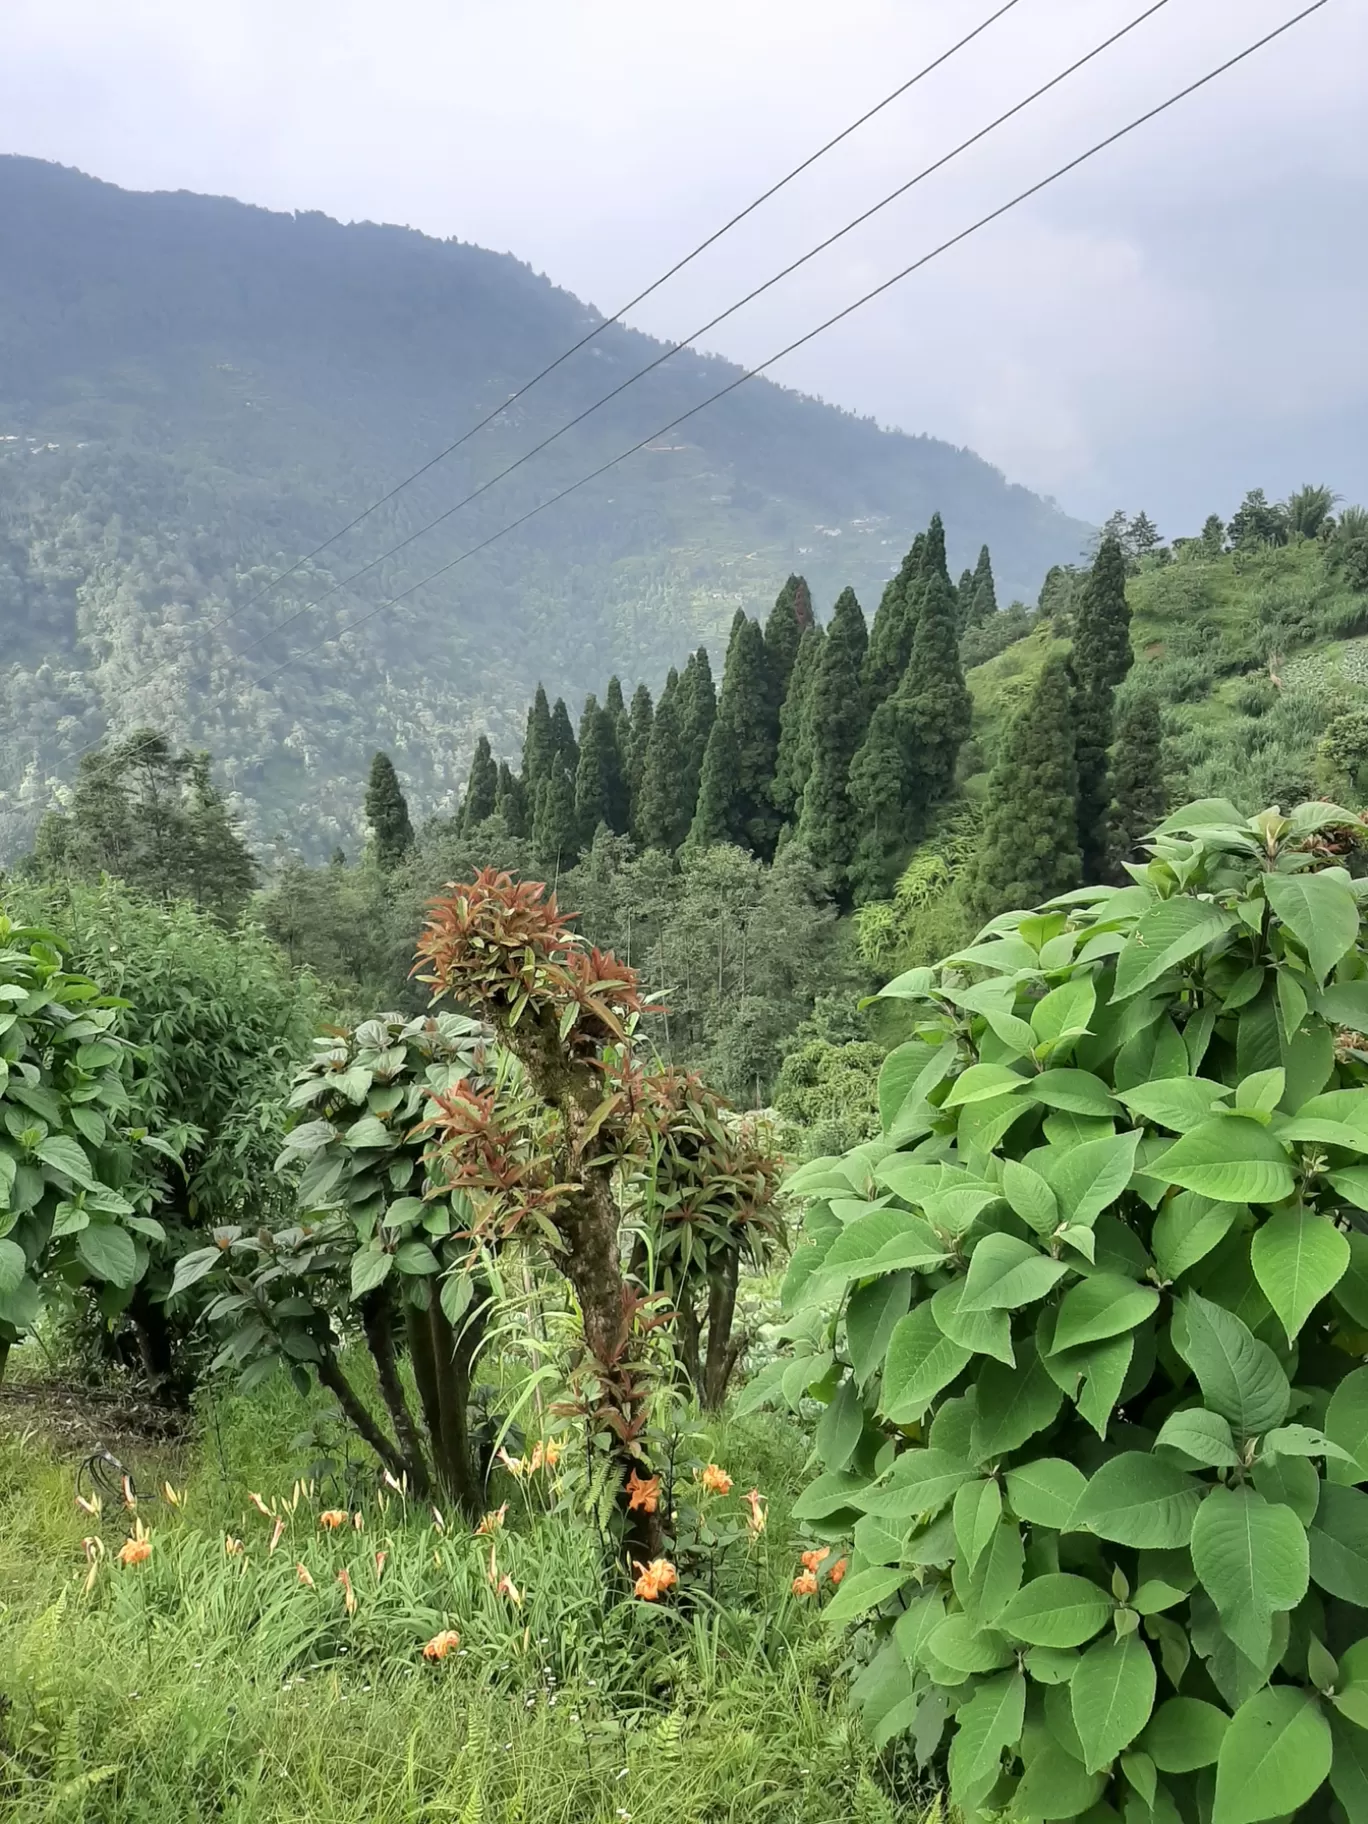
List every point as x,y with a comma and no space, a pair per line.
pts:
194,392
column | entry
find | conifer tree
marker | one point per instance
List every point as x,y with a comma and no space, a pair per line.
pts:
538,745
634,746
563,744
907,762
836,731
939,704
219,868
1029,848
554,825
662,813
697,713
599,793
933,557
964,598
613,699
1140,797
1101,658
795,749
895,622
734,792
387,813
482,788
983,595
789,620
510,801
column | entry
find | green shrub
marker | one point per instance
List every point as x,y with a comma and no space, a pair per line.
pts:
1086,1321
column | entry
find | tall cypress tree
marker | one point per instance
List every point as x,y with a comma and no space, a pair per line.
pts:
634,746
933,557
600,795
836,725
482,788
662,812
1029,849
510,801
613,699
1140,796
734,792
539,745
940,707
964,598
895,622
697,713
555,834
907,762
387,813
1101,658
795,747
789,620
984,605
563,743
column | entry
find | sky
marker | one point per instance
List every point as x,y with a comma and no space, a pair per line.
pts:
1176,321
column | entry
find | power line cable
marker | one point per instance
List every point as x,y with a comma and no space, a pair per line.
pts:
675,348
617,316
877,291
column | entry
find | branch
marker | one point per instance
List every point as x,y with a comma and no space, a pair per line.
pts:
331,1375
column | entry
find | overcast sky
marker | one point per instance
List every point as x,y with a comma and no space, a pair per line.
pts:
1179,320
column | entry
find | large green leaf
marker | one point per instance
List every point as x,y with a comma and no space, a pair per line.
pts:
1063,1013
1111,1695
1320,911
1187,1229
1046,1492
1076,1091
13,1266
67,1156
920,1482
1030,1196
1338,1538
966,1650
872,1314
1229,1158
921,1360
1298,1257
977,1510
865,1590
1141,1500
1184,1734
368,1268
1055,1784
1087,1177
1240,1377
1349,1769
981,1332
1273,1757
1202,1436
1251,1556
884,1241
1179,1103
1005,1272
109,1252
990,1722
1103,1305
981,1083
1057,1610
1165,936
840,1427
1013,1404
1346,1422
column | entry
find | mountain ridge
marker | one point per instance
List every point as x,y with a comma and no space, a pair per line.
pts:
194,390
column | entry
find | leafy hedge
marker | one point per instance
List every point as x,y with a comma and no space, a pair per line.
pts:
1087,1324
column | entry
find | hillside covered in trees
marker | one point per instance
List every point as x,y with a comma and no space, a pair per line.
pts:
194,392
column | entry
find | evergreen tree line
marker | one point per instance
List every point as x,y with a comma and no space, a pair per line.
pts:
841,737
1076,782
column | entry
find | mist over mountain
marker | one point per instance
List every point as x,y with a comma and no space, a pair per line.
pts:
193,392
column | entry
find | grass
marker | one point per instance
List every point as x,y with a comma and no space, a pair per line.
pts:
208,1685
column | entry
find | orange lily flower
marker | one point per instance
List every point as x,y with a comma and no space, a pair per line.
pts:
491,1522
805,1584
136,1549
644,1494
348,1594
304,1577
755,1519
380,1558
716,1481
333,1517
275,1537
812,1561
838,1570
442,1644
654,1577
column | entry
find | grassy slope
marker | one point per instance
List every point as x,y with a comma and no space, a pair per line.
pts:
1204,634
198,1686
